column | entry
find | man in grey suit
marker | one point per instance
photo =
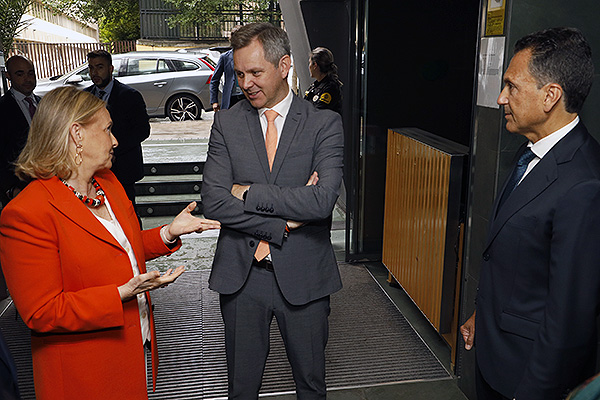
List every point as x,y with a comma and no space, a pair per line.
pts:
535,331
275,202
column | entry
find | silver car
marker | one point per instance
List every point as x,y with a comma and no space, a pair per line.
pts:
173,84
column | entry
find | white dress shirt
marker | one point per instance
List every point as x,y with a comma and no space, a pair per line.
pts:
544,145
116,230
282,108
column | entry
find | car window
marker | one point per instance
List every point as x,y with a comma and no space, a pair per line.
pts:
162,66
209,61
141,66
85,74
184,65
116,65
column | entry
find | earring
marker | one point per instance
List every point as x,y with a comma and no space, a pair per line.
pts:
78,160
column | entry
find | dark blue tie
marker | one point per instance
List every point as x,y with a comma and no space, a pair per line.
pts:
517,174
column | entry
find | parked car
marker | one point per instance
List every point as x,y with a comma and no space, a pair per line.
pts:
173,84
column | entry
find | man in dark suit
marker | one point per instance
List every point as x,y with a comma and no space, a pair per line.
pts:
131,124
272,176
231,90
534,328
17,107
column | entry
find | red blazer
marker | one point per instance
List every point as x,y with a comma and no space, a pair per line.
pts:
62,268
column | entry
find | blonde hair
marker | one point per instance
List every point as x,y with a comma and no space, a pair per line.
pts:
46,152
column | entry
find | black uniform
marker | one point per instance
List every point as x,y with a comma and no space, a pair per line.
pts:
325,94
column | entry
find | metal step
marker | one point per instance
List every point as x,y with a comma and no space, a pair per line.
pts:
162,208
144,188
167,188
182,168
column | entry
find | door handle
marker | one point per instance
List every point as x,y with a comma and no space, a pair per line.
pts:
160,84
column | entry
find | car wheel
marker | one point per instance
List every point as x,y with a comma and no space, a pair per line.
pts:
184,107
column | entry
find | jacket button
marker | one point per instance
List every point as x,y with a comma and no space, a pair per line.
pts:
251,243
257,208
486,256
271,210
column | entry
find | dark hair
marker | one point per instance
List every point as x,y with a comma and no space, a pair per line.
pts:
323,57
274,40
562,56
100,53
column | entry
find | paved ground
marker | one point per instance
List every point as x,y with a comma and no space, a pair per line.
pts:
164,129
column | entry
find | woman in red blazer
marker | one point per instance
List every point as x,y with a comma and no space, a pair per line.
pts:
74,257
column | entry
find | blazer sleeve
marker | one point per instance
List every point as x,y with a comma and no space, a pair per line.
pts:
31,264
217,200
307,203
567,330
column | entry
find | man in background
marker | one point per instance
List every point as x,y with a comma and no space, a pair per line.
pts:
231,90
131,124
17,108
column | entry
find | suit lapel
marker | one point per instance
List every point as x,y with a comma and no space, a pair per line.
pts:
538,180
255,129
17,111
540,177
119,209
290,128
73,209
292,121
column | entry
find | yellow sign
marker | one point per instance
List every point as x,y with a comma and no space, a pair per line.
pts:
494,24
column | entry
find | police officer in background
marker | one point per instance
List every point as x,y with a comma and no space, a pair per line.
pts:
326,90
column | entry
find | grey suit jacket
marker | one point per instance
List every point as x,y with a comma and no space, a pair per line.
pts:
539,291
311,140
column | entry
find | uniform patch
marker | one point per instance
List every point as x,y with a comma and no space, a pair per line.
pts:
325,98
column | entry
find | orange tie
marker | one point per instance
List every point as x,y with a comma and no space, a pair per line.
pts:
262,250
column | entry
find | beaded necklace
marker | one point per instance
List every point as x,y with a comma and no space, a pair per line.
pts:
95,202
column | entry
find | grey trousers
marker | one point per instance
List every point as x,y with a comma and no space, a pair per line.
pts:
247,315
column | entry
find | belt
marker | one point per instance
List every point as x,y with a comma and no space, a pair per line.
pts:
264,263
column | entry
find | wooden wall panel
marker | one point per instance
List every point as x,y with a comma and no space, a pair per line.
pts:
415,227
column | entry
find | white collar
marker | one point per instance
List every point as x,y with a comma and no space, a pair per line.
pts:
544,145
282,108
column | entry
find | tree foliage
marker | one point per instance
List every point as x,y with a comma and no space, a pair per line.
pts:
11,12
116,19
213,12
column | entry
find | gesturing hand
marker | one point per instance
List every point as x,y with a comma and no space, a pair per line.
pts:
185,222
148,281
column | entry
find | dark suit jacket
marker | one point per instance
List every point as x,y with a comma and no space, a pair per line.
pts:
13,137
539,289
311,140
224,66
131,127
